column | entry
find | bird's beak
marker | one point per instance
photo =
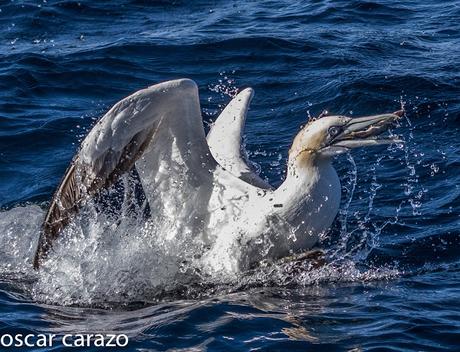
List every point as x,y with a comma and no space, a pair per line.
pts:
364,131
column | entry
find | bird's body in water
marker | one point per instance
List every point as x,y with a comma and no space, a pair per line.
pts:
275,223
203,185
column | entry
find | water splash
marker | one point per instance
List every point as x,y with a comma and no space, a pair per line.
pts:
225,86
103,258
348,188
18,231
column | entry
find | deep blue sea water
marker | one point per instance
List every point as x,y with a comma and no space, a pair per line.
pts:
393,282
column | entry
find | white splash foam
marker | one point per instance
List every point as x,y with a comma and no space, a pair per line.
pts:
18,237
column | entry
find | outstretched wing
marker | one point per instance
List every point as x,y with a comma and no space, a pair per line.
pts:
158,128
225,138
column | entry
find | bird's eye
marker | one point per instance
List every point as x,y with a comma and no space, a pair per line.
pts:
334,131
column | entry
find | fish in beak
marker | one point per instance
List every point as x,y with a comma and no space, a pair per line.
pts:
364,131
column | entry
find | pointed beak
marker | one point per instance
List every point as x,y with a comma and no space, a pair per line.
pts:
364,131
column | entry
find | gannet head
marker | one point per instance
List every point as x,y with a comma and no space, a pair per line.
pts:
332,135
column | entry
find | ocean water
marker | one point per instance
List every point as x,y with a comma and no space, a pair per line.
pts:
392,278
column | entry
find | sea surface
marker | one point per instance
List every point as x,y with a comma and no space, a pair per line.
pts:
392,277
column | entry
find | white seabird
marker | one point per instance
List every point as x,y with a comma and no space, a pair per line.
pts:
204,184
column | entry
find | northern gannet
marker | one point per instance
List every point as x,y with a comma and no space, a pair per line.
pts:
204,185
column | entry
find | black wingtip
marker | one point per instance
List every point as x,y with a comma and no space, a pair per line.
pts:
40,252
36,264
